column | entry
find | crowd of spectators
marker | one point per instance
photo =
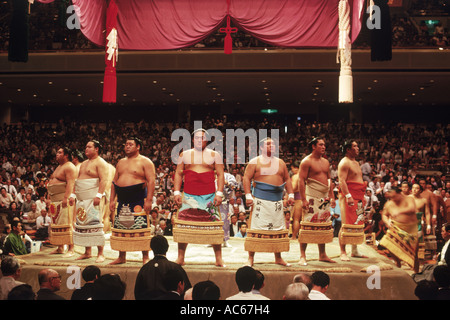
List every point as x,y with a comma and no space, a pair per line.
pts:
48,30
390,154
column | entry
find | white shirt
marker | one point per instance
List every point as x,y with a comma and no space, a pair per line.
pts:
247,296
317,295
40,205
442,261
41,223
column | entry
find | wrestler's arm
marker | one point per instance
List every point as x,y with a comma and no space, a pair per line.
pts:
302,176
385,215
434,208
77,174
149,169
331,186
218,166
102,172
178,179
246,180
342,177
112,199
288,185
70,173
294,181
427,216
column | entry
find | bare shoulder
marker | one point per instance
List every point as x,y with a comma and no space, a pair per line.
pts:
344,163
253,161
146,160
306,161
69,166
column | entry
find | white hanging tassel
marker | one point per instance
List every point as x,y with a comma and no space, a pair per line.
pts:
113,51
344,55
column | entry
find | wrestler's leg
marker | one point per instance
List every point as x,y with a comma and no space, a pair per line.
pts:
181,253
344,256
342,204
59,250
296,216
121,259
218,253
279,260
356,253
303,254
100,255
70,251
87,254
145,257
251,258
323,255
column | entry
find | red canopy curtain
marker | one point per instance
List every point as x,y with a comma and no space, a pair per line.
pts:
175,24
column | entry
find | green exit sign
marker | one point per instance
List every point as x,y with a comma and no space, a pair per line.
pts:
269,110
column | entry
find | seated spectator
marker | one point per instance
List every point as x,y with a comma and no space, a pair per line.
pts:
13,212
11,271
259,283
43,223
242,231
188,294
234,229
108,287
443,258
245,279
5,234
205,290
304,278
20,197
29,218
155,217
41,203
49,283
5,199
426,290
26,206
161,227
173,281
296,291
89,275
149,279
14,243
320,281
22,292
442,277
242,217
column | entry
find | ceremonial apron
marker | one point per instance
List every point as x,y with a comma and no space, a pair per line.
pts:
131,231
352,229
88,226
316,225
402,241
267,228
61,227
198,220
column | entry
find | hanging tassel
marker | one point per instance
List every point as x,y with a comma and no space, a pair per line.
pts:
112,53
344,54
19,31
228,42
381,38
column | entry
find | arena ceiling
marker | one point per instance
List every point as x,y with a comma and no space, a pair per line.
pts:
272,86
